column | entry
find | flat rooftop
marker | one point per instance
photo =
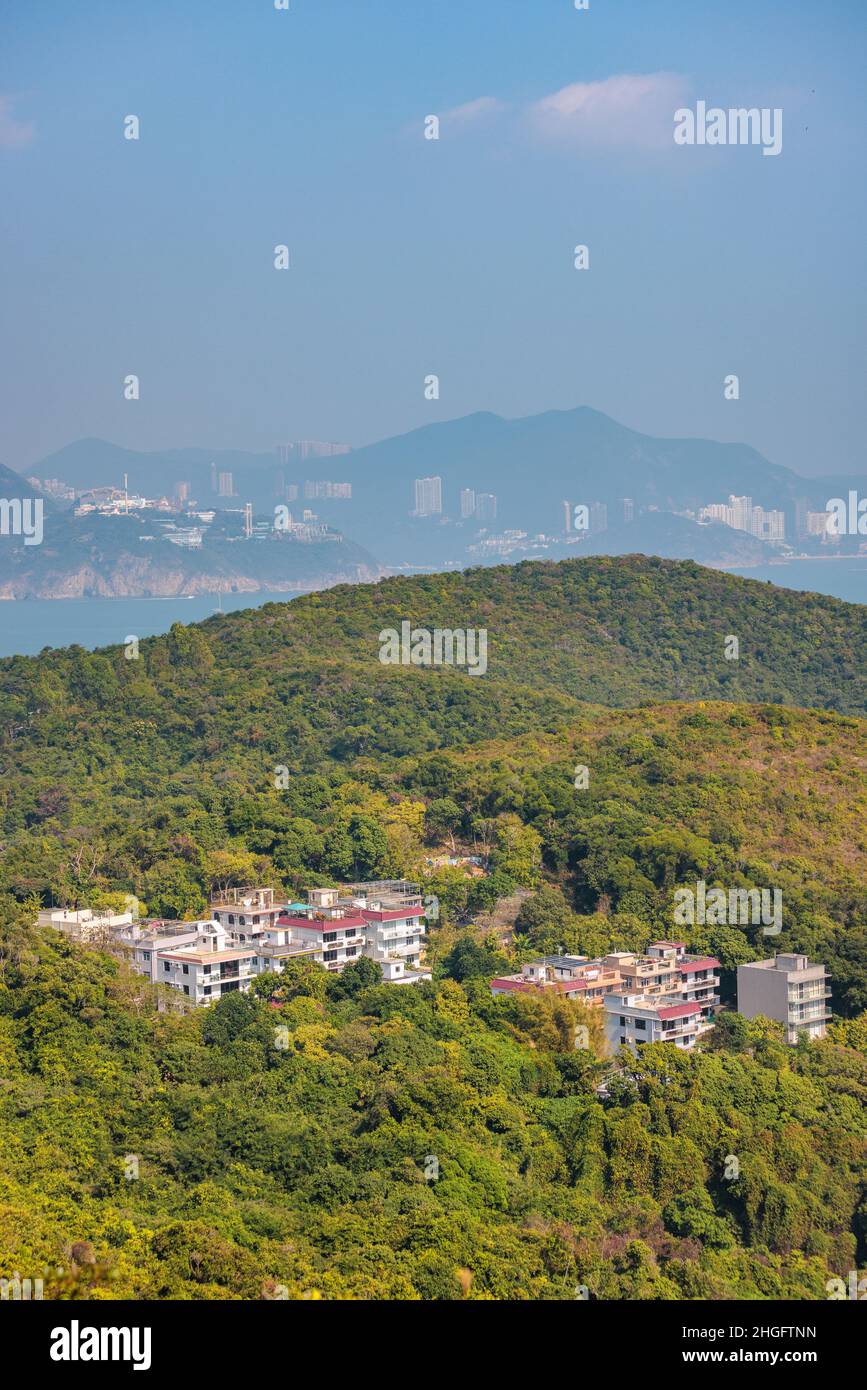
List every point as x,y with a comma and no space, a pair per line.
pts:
208,957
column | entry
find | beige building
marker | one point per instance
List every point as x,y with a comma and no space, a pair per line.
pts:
85,924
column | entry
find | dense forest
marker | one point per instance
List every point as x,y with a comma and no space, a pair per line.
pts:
426,1142
434,1142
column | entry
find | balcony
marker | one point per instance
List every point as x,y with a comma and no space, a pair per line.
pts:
399,933
684,1030
229,972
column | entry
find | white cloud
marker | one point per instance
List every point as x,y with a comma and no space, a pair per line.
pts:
13,133
474,110
631,110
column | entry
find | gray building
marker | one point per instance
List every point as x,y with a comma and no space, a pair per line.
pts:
789,989
428,496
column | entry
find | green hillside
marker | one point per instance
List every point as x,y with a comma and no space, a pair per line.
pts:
409,1143
433,1142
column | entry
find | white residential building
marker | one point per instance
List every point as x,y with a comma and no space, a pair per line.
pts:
84,924
250,933
741,515
638,992
144,942
247,913
341,929
393,939
333,940
208,967
428,496
631,1019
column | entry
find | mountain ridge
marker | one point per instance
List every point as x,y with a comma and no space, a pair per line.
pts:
532,465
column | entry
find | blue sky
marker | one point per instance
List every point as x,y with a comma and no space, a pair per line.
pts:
412,257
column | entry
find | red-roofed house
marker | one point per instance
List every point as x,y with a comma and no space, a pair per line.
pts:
575,976
631,1019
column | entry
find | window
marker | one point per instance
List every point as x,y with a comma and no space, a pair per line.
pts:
207,989
329,936
231,919
206,969
351,950
186,989
622,1040
186,970
640,1023
622,1021
329,955
349,932
146,955
166,965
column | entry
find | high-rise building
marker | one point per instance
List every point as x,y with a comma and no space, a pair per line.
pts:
486,506
567,511
182,491
802,508
817,523
428,496
718,511
323,488
248,519
225,485
789,989
310,449
468,503
628,508
598,516
319,449
741,515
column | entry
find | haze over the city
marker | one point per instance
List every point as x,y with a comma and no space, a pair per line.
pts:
412,256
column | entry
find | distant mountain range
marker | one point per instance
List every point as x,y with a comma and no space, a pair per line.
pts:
532,466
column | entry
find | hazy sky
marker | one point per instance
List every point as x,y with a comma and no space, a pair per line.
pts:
412,256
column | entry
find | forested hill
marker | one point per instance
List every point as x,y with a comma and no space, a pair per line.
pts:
434,1142
615,631
273,746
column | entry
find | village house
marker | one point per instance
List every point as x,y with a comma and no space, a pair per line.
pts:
637,992
84,924
252,931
